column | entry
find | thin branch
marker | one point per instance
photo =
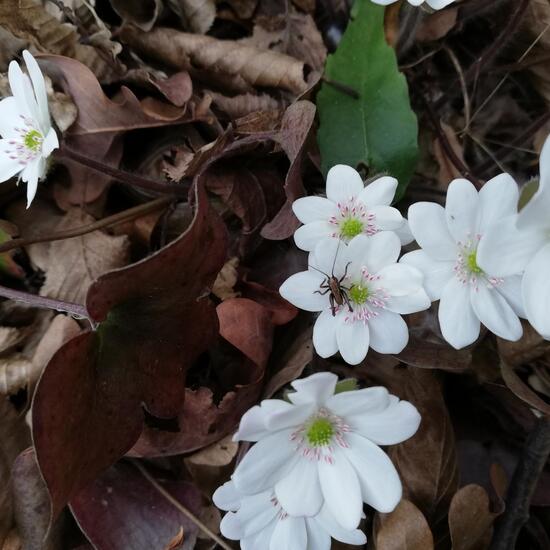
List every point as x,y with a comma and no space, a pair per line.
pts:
180,506
522,486
129,178
77,310
120,217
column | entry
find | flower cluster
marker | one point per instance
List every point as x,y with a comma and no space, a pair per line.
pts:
315,461
28,138
483,261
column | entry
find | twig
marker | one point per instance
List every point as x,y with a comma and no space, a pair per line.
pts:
78,310
128,178
180,506
522,486
120,217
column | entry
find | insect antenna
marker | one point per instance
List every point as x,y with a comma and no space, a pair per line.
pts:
321,272
336,256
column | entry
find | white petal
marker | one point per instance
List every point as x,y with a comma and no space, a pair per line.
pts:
325,520
9,118
365,401
314,209
380,483
289,534
227,497
341,490
31,175
374,252
386,218
301,290
316,388
510,288
8,167
429,227
261,539
307,236
436,273
400,279
317,536
324,334
461,210
253,425
289,418
544,162
230,527
299,493
353,340
505,250
50,143
458,322
39,87
404,233
20,88
343,183
329,257
438,4
265,463
379,192
410,303
498,199
536,292
256,513
388,332
396,423
495,313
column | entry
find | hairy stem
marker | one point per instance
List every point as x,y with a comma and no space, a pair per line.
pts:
522,486
128,178
120,217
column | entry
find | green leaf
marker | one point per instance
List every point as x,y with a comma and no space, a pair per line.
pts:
348,384
379,128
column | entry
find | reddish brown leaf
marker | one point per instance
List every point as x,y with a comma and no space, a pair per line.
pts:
122,509
522,390
404,529
88,405
432,355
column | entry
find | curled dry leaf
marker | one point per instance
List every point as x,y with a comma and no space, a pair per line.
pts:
224,285
245,66
243,104
138,357
196,15
74,264
470,519
405,528
142,13
29,20
529,347
522,390
123,509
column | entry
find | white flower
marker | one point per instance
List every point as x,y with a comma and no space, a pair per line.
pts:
434,4
521,242
260,523
28,136
349,209
322,449
374,292
449,239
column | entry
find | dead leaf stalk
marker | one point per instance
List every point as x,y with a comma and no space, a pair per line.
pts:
180,506
120,217
522,486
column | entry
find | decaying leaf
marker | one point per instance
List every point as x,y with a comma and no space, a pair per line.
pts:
220,60
142,13
196,15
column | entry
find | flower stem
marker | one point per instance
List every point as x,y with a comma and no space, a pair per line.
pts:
77,310
128,178
120,217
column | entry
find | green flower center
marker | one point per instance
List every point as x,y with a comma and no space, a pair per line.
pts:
320,432
358,294
351,227
33,140
471,263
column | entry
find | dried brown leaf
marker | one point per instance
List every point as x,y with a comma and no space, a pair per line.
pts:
522,390
142,13
529,347
243,104
470,519
74,264
404,529
224,285
27,19
436,25
196,15
225,61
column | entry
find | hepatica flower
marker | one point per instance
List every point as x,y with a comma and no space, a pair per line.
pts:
362,306
449,238
434,4
260,522
28,138
521,242
320,453
349,209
